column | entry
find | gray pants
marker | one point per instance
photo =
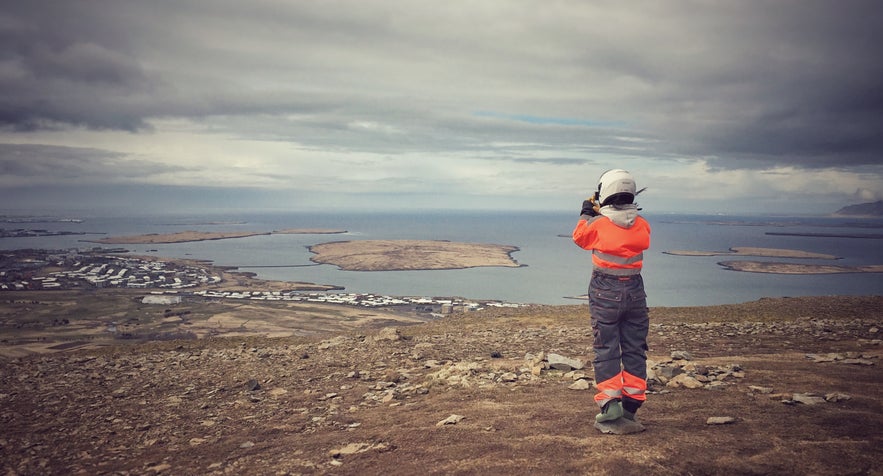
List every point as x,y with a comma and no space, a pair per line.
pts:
620,322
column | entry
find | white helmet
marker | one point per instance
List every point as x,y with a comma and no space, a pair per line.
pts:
616,187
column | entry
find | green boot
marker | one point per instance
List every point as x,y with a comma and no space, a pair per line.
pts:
628,415
611,411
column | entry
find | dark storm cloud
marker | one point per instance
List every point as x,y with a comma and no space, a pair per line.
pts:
787,83
63,64
22,164
742,84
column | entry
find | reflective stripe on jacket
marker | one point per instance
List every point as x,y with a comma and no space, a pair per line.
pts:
616,249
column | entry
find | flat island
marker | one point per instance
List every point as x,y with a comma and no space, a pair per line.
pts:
308,231
190,235
779,267
405,255
796,268
751,251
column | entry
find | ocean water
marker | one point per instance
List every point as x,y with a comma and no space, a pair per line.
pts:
553,271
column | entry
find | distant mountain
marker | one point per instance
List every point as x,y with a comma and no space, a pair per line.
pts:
874,209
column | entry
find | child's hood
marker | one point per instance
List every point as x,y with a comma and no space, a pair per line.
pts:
621,215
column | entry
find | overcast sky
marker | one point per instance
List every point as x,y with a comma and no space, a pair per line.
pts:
716,106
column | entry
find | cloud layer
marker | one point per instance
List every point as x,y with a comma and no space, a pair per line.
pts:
508,98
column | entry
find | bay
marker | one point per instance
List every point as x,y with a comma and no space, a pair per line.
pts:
553,270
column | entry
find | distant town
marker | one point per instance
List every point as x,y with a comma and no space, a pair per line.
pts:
420,304
32,233
171,281
96,268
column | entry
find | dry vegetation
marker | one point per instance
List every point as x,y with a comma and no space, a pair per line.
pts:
802,386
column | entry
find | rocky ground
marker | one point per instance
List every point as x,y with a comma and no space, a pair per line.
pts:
776,386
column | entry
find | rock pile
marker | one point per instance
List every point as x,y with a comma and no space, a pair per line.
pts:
681,371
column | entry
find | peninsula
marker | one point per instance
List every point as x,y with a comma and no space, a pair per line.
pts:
405,255
191,235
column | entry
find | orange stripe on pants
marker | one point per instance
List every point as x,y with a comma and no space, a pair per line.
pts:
634,387
609,389
621,385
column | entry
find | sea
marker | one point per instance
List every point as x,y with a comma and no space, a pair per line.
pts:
553,270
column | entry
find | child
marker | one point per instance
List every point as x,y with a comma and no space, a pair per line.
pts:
609,226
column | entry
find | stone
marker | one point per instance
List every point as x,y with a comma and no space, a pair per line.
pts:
581,384
651,374
535,359
857,362
758,389
252,385
667,372
509,377
837,397
356,448
720,420
389,333
333,342
684,380
350,449
620,426
560,362
681,355
451,420
831,357
160,468
807,399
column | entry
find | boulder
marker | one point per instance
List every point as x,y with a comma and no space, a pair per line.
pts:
560,362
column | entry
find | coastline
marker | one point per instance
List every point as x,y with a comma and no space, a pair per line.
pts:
192,236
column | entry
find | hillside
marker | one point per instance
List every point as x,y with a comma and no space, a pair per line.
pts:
798,379
872,209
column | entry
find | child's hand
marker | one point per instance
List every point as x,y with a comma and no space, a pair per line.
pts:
590,208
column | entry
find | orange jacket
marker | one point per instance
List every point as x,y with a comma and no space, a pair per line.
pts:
617,249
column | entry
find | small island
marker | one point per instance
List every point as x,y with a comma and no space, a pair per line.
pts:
795,268
779,267
409,255
308,231
751,251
